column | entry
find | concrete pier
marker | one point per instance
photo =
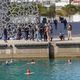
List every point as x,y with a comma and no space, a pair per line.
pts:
18,49
67,48
23,49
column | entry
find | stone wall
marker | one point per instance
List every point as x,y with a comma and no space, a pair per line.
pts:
67,50
21,49
13,49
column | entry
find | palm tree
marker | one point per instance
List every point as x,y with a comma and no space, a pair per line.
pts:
69,10
51,11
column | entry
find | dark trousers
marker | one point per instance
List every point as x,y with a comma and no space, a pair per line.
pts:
26,35
45,37
56,26
41,35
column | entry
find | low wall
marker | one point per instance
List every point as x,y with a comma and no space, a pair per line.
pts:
24,49
67,49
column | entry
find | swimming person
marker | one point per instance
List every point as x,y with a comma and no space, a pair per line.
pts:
7,62
69,61
32,62
11,61
28,72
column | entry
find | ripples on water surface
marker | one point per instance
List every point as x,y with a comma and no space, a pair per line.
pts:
43,70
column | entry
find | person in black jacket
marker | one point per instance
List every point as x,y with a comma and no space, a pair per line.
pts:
65,23
26,30
55,23
41,31
5,34
18,33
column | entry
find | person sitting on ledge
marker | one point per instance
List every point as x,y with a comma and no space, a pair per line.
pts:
61,36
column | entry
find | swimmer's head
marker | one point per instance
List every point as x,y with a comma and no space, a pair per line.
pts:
32,62
28,71
69,60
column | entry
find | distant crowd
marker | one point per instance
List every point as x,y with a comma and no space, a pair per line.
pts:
39,32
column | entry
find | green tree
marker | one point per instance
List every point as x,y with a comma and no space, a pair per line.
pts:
69,9
42,10
51,12
46,11
78,9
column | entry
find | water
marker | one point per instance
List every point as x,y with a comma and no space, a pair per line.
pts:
43,70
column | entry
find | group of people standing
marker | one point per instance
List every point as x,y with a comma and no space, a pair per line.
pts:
38,32
67,26
61,20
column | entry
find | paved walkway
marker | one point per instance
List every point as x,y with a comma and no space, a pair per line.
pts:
56,40
74,40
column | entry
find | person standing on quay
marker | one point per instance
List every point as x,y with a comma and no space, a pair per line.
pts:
55,23
65,23
18,33
41,31
69,29
37,32
26,32
5,34
48,33
45,35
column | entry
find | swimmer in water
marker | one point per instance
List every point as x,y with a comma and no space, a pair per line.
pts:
7,62
11,61
69,61
28,72
32,62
